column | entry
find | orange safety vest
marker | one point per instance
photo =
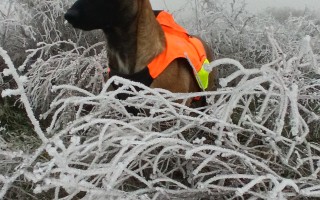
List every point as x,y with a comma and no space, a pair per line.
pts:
179,44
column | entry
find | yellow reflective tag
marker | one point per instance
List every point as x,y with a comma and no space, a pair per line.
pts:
204,76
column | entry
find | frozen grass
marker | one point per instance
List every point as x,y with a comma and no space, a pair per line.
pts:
251,140
255,139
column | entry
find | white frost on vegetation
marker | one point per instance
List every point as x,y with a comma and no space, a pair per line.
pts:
252,140
105,150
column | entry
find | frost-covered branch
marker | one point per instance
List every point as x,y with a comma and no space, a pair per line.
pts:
20,80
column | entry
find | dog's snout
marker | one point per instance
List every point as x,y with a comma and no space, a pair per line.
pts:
71,16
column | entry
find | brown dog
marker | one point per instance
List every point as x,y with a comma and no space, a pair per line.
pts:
134,39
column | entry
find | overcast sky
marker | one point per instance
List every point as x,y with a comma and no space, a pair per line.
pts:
253,5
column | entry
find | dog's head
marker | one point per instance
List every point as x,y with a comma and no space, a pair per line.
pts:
101,14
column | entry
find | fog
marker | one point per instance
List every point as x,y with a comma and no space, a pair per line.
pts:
252,5
258,5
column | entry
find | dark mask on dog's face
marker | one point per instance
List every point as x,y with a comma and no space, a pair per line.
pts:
101,14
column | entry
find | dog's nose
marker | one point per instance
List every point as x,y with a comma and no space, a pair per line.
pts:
71,16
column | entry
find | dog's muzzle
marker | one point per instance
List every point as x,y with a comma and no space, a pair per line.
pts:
72,16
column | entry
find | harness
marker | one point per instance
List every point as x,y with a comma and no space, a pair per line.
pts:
179,44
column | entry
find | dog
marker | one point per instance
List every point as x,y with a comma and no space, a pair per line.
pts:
135,38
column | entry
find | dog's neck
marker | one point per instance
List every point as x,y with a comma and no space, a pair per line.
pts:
132,47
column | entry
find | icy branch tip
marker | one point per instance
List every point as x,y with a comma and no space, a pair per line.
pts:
7,72
9,92
223,82
37,190
54,88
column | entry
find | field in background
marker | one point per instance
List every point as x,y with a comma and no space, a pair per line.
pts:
64,135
